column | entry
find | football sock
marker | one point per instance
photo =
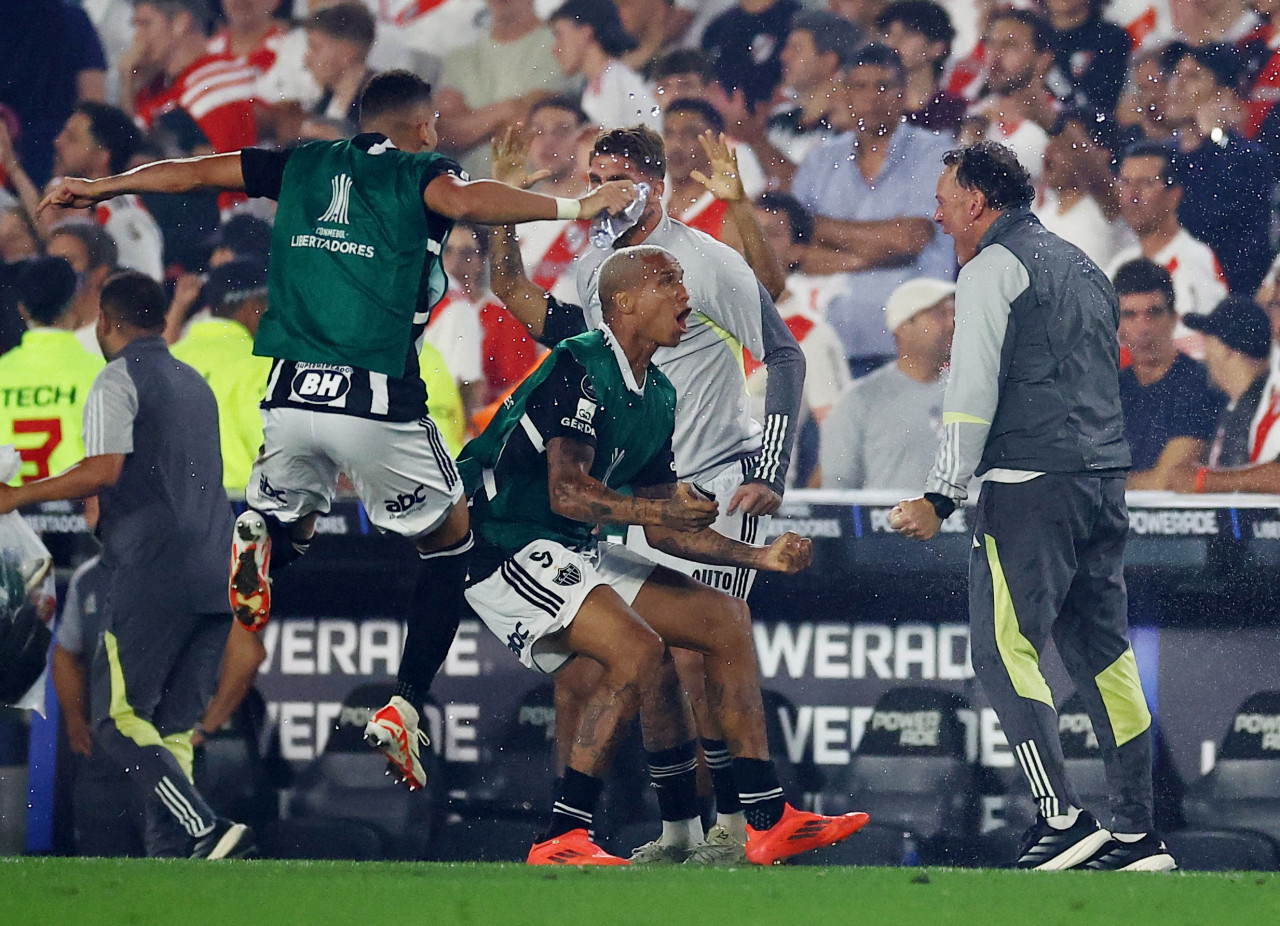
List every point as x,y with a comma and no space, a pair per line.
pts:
720,764
1129,837
1064,821
284,548
575,804
435,608
759,791
674,775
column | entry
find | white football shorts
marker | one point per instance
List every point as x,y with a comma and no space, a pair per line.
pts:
538,591
401,470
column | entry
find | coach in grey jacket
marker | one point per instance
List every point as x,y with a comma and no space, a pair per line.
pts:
1033,405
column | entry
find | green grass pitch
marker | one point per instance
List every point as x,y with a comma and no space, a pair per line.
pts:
83,892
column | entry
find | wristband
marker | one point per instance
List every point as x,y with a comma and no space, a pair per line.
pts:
1201,474
567,208
199,728
942,505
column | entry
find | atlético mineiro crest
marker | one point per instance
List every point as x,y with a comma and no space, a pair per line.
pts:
568,575
340,202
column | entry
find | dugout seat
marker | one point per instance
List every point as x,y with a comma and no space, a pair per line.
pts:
911,773
1223,850
1242,791
239,769
348,782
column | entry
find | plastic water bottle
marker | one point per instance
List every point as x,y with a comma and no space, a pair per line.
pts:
606,229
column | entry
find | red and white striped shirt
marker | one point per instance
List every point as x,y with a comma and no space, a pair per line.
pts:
216,92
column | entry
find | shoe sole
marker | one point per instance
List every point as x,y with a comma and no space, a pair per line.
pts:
1077,854
413,777
1161,862
236,842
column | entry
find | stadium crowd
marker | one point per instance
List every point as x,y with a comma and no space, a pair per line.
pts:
1149,129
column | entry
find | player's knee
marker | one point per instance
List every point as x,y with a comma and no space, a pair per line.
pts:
644,655
731,630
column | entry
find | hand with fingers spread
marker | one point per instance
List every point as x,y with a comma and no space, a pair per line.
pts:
725,181
611,197
511,158
789,554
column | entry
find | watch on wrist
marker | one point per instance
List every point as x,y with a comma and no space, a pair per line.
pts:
942,505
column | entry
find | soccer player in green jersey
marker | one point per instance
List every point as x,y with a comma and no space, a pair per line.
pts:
355,271
597,417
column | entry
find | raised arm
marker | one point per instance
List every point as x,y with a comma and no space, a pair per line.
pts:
489,202
181,175
522,297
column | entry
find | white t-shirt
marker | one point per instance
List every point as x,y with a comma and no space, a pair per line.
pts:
1198,284
1085,226
289,79
1026,139
548,250
136,233
621,98
454,330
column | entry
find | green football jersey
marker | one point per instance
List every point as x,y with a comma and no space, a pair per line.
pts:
584,391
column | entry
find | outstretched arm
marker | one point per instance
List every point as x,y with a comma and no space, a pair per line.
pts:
489,202
88,477
181,175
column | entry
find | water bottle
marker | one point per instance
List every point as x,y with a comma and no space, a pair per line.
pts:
606,229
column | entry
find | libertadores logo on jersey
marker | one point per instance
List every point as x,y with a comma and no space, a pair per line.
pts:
341,201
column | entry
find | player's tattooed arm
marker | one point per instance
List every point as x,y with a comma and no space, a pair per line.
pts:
789,553
576,494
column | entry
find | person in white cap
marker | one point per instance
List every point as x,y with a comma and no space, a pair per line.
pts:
883,431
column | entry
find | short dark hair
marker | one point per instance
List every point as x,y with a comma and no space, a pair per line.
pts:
709,114
563,102
639,144
799,217
113,130
994,171
1153,149
832,34
99,246
1145,276
199,10
1041,29
45,287
680,61
879,56
923,17
132,298
391,91
1221,59
349,21
1100,127
601,16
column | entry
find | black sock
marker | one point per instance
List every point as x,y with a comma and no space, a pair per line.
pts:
575,804
720,764
435,608
674,773
284,548
759,791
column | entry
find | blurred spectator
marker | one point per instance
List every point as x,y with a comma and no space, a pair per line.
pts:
50,59
240,237
588,42
428,29
199,102
1091,53
1016,107
186,220
251,33
1150,193
98,141
655,25
45,380
558,129
1169,407
1226,179
220,347
93,256
688,200
745,44
1203,22
819,46
883,431
1077,172
1237,344
920,31
871,193
1148,23
339,38
1264,85
18,238
113,21
494,81
1141,110
788,228
1264,436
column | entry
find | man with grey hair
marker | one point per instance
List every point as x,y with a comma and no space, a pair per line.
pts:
598,417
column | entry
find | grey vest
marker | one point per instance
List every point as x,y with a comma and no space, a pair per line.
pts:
1059,408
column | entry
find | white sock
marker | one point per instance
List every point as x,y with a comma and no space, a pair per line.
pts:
682,833
1064,821
735,823
1129,837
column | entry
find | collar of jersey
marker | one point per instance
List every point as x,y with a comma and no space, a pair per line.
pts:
624,365
372,142
219,328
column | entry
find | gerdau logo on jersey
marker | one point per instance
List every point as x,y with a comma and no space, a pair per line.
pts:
338,213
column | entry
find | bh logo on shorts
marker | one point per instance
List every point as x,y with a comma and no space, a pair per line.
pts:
405,501
320,384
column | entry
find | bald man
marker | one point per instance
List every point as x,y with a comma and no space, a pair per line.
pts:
595,418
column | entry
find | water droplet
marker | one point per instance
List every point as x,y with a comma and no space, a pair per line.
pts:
655,112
